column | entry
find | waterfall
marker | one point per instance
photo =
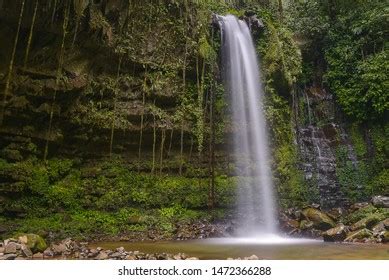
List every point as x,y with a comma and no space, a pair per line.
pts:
256,204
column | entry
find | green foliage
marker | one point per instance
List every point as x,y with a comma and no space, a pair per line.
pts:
368,211
106,199
351,35
280,56
353,179
358,141
380,183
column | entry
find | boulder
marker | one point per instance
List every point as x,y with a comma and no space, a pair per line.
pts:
253,257
357,206
26,251
359,235
37,256
8,257
319,219
34,242
102,256
336,234
10,248
304,225
380,201
48,253
381,226
58,249
367,222
335,213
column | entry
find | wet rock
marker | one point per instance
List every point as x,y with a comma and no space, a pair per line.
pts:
26,251
380,201
120,249
304,225
102,256
8,257
10,248
37,256
58,249
359,235
93,253
287,224
319,219
336,234
252,257
48,253
115,255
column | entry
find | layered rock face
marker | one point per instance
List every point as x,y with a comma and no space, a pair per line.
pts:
335,155
106,79
114,85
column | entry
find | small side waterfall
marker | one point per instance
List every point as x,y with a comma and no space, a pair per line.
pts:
256,199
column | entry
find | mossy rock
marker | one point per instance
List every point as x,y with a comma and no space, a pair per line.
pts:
359,235
336,234
304,224
320,220
366,212
368,222
33,241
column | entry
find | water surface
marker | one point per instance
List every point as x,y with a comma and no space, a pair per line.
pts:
287,249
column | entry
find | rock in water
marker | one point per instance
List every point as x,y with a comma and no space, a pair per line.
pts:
102,256
37,256
336,234
380,201
253,257
34,242
319,219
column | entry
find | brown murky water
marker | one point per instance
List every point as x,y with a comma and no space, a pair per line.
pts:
225,248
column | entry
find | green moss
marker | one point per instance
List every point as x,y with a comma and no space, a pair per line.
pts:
369,211
358,141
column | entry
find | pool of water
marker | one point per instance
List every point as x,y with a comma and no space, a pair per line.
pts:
272,248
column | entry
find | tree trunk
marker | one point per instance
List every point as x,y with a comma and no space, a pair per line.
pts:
31,34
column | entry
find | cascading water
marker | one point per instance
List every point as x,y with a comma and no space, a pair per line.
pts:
256,199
